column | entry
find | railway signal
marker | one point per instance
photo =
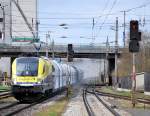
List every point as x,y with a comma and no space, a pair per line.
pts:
134,46
70,53
135,36
134,30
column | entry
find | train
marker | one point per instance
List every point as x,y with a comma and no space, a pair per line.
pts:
35,77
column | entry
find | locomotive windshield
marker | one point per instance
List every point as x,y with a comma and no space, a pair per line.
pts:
27,67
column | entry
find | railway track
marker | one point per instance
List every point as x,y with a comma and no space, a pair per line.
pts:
140,100
4,95
88,105
4,91
107,106
17,107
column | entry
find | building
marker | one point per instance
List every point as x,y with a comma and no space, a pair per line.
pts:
18,20
24,20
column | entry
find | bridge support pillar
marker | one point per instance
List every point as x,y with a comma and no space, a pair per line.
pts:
111,64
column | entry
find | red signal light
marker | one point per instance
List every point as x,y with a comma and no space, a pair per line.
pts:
134,29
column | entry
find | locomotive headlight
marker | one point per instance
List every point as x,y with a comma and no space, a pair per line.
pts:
38,82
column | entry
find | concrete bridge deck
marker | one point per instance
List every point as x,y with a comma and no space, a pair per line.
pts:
80,51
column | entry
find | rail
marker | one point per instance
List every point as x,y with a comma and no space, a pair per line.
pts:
88,108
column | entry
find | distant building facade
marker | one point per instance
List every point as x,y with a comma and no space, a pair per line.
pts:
20,29
18,22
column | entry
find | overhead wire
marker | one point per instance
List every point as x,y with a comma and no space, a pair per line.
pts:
138,7
114,3
134,8
106,15
107,2
116,13
93,34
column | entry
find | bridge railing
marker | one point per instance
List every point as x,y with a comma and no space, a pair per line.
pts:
59,48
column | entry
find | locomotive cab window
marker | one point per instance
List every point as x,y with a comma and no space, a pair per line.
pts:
26,67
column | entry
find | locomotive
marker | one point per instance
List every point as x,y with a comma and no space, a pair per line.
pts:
34,77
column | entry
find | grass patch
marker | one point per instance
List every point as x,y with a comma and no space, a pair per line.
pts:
113,91
4,88
123,93
55,110
128,104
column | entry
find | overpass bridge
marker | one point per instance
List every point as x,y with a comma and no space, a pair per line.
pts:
80,51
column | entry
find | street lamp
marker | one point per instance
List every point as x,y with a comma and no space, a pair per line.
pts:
63,24
63,37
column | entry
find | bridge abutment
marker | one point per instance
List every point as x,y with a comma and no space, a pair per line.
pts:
111,67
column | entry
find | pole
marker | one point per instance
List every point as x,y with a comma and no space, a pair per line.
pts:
133,82
107,50
3,36
116,52
47,45
10,20
37,29
124,34
100,71
104,72
37,23
68,80
53,54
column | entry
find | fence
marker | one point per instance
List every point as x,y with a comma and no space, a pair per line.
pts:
142,82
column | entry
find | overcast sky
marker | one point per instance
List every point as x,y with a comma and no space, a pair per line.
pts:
79,14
